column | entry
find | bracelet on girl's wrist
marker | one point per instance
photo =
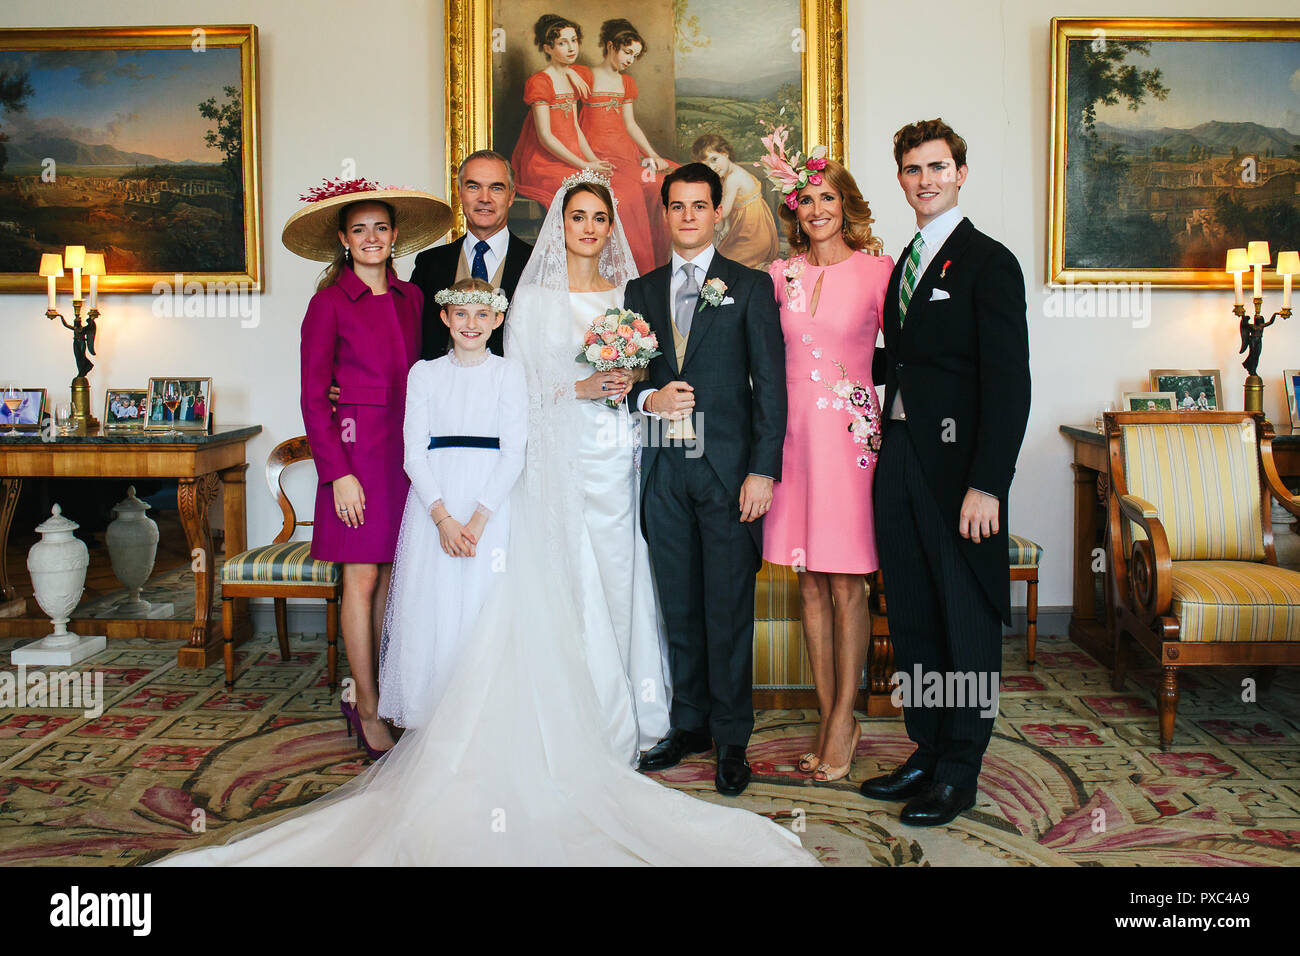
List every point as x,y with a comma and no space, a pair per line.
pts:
441,520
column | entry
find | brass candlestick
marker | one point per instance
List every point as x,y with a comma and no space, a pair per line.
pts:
1252,343
83,342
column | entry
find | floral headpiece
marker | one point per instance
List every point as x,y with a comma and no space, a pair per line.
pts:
789,174
330,188
495,300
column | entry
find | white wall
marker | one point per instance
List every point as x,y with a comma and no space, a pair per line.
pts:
342,80
985,67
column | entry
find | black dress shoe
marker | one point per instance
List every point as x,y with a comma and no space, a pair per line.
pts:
733,772
937,806
902,783
670,751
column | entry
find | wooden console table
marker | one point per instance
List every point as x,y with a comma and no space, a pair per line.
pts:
1090,627
201,462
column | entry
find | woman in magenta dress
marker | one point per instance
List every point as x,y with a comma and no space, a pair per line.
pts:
608,122
551,145
831,292
361,331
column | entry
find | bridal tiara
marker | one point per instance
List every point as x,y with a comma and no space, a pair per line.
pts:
585,176
495,300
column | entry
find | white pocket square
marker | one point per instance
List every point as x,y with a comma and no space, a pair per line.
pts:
938,294
728,301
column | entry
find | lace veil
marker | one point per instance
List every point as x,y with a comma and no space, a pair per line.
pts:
541,335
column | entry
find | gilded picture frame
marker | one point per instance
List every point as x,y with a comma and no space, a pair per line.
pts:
1172,140
473,38
189,415
1158,402
1195,389
163,178
1290,377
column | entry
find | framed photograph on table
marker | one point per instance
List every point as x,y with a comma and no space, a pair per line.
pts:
1173,140
1149,402
21,409
125,409
1195,389
701,81
138,141
183,404
1291,378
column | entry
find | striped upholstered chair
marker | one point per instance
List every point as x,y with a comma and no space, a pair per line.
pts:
1025,556
281,570
1194,574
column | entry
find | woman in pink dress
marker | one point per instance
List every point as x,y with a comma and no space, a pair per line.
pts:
551,145
831,293
608,122
361,331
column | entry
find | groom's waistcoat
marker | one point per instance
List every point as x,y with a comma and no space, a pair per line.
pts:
734,359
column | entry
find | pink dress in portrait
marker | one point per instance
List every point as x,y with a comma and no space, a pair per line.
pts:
821,515
640,204
538,171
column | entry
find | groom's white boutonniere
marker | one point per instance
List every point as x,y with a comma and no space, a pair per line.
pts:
712,293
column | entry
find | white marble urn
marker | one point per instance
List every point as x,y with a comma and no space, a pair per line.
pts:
58,567
1286,544
132,547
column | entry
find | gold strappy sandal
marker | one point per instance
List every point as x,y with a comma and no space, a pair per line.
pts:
828,774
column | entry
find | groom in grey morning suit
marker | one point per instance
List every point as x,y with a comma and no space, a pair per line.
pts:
723,364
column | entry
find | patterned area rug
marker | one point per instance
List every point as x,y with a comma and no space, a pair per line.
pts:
1074,776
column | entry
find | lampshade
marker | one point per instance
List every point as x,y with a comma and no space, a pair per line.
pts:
51,265
1258,254
74,257
1288,263
94,264
1237,261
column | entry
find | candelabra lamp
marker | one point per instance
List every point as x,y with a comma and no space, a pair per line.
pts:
78,260
1255,256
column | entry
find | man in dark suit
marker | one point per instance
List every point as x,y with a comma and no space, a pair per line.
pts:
956,405
722,368
486,185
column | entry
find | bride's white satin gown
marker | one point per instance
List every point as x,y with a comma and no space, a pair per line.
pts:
527,758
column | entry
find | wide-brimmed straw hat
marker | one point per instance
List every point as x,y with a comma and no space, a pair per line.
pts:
313,231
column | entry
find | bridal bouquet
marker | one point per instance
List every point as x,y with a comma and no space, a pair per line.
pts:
618,339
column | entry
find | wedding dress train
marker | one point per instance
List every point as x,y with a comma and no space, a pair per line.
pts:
518,763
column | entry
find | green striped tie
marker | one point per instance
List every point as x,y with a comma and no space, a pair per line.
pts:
911,272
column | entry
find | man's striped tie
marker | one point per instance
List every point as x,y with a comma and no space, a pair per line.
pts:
911,272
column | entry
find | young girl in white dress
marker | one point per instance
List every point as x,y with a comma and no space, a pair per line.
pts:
464,433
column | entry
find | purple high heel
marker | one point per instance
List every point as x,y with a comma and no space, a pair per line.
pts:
353,718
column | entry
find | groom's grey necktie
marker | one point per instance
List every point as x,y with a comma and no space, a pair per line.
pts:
688,296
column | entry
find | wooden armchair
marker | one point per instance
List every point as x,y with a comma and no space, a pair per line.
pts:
1190,544
282,569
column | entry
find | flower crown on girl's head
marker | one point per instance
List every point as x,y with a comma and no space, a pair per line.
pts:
495,300
789,174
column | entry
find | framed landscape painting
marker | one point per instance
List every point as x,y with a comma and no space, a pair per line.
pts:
141,143
704,82
1172,142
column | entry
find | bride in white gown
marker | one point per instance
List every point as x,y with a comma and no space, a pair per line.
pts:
526,759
